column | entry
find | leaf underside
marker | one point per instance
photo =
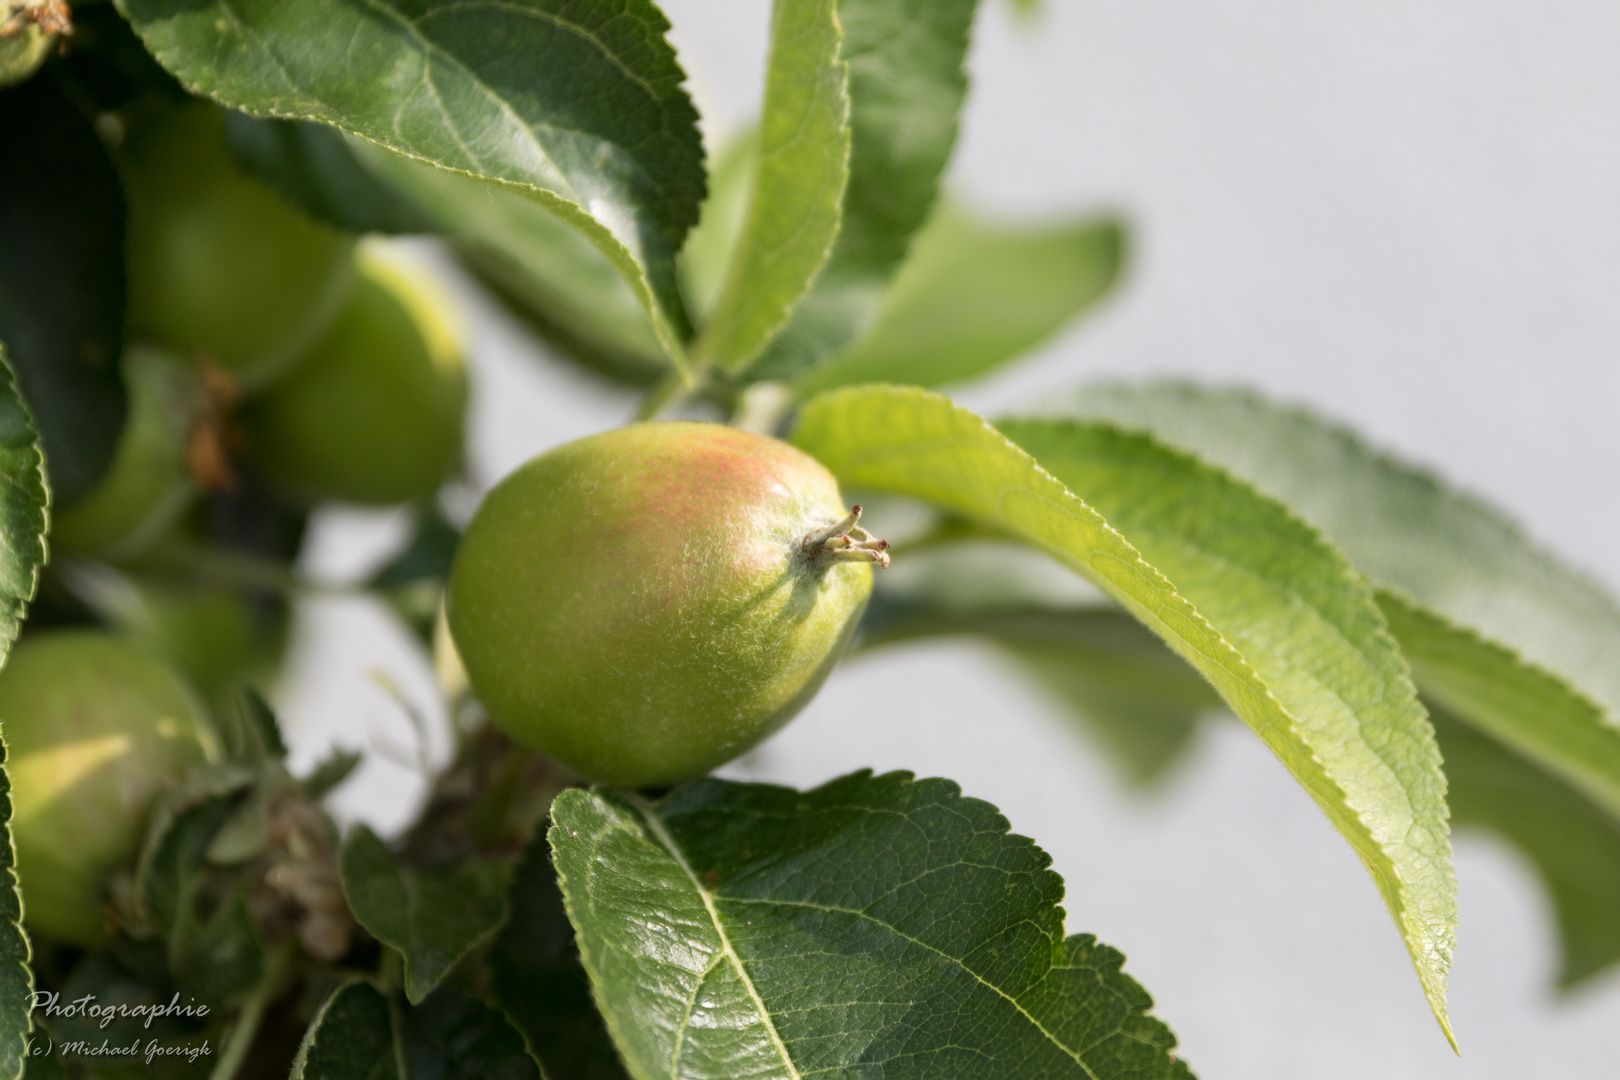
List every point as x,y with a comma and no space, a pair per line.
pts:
1255,600
578,104
877,927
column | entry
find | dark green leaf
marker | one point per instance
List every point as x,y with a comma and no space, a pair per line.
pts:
351,1038
213,946
24,498
876,926
1253,598
579,105
62,280
1498,630
1573,843
413,582
434,918
801,168
361,1035
540,983
906,87
974,295
330,772
16,978
313,167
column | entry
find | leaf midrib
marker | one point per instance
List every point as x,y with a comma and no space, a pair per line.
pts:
897,932
665,840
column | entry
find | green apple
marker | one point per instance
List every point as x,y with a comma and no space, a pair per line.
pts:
147,487
23,50
646,604
219,266
375,414
96,729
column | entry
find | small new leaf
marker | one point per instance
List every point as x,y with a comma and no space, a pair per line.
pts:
906,86
875,925
433,918
801,169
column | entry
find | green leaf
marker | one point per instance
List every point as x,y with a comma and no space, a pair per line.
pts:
351,1038
1251,597
540,983
974,295
16,977
1572,842
873,926
313,167
1532,711
1498,630
577,104
23,501
361,1035
24,498
710,246
434,918
801,168
200,912
906,87
62,280
1139,701
544,268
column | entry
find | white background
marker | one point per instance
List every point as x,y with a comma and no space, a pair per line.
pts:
1405,214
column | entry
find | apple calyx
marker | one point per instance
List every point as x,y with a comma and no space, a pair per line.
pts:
846,542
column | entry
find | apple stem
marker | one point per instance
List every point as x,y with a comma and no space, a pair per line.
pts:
847,542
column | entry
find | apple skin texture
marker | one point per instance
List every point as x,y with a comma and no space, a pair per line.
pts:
219,266
639,606
376,413
96,728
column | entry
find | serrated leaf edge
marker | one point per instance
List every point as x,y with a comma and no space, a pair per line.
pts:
1441,954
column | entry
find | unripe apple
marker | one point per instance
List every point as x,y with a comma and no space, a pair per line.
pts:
24,47
646,604
375,414
147,487
219,266
96,728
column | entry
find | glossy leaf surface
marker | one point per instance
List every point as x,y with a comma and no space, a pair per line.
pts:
576,103
876,926
1250,596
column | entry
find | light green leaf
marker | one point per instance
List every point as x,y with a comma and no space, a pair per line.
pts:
1135,698
906,87
1250,596
801,168
16,977
873,926
434,918
1498,630
706,258
1532,711
974,295
1573,843
578,105
548,271
359,1034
